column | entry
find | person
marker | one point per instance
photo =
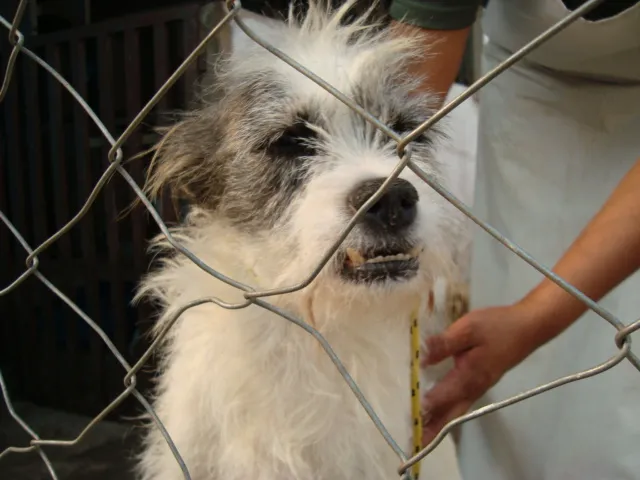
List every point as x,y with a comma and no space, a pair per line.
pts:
489,342
558,133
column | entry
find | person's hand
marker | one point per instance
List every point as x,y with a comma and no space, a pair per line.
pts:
484,344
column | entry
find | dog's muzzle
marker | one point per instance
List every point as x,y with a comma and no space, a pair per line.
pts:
393,213
388,255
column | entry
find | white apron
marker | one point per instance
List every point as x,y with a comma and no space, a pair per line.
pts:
551,149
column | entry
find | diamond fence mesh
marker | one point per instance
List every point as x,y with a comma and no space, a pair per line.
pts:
115,167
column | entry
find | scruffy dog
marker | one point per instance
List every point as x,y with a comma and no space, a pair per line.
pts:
274,169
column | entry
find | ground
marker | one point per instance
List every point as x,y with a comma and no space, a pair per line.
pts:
103,454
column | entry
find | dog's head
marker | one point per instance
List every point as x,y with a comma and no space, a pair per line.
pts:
286,165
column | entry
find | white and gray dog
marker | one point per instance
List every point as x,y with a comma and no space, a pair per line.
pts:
274,169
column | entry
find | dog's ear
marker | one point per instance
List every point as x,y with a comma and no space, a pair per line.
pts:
185,161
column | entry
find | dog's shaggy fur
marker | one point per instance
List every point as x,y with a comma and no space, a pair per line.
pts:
272,169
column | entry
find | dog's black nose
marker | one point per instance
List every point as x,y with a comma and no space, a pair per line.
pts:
394,211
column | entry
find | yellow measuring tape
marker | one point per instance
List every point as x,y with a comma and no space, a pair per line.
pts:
415,391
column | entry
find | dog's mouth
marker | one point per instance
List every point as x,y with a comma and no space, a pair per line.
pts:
377,265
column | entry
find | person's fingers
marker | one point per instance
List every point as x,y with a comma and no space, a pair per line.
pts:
448,391
436,423
455,339
455,393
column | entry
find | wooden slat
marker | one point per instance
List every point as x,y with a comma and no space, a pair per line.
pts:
15,181
88,372
4,165
16,175
189,42
9,250
5,235
161,74
107,114
83,154
57,157
34,158
160,61
134,145
43,329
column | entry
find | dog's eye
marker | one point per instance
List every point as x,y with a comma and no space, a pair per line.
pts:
403,125
294,142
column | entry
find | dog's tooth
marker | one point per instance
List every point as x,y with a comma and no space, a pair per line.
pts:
389,258
381,259
356,258
415,251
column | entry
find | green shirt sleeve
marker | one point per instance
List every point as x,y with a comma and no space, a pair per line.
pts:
436,14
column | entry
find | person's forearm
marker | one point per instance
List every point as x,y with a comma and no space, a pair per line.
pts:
603,256
443,55
443,28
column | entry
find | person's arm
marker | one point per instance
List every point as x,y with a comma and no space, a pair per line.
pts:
605,254
486,343
443,26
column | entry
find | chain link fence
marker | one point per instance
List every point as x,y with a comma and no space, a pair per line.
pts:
115,157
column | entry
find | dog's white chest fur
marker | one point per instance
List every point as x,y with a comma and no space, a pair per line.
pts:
247,394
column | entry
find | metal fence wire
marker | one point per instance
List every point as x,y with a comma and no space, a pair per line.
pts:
622,336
